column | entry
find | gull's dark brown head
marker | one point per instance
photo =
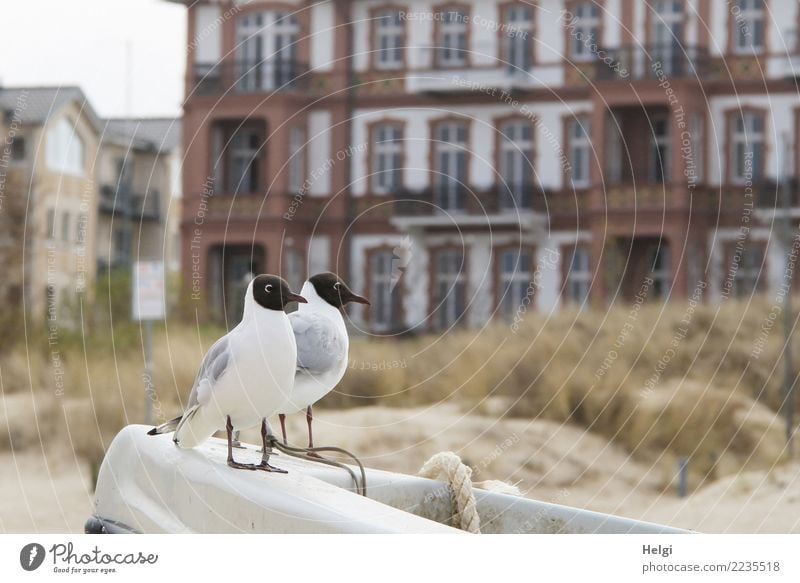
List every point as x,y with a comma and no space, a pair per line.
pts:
334,291
273,293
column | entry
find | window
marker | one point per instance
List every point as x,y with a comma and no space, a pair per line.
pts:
659,149
748,26
667,34
237,163
389,34
579,276
516,163
384,292
65,149
266,50
584,30
450,165
449,288
297,162
81,226
660,272
696,127
65,226
748,146
51,223
580,149
747,280
387,158
518,38
515,278
294,269
18,149
452,41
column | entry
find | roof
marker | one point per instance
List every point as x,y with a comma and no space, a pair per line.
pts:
34,105
160,134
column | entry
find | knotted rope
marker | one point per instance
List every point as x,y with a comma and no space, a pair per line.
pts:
448,465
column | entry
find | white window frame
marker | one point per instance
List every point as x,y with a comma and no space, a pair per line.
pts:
240,152
519,38
697,129
295,274
661,273
514,144
297,159
452,44
749,271
660,150
389,34
450,288
381,287
387,152
588,19
752,14
579,276
449,146
514,284
748,138
267,43
580,140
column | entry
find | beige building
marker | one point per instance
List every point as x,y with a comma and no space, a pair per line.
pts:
80,193
53,135
139,201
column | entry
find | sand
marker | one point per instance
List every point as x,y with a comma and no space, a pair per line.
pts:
549,461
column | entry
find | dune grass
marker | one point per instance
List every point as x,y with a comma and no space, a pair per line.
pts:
701,381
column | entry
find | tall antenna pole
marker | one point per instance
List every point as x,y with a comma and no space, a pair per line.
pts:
128,77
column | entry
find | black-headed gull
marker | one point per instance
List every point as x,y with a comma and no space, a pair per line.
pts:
322,344
246,375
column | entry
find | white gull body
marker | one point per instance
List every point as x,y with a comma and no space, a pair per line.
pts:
247,375
322,349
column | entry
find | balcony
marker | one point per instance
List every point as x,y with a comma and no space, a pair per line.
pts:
771,196
120,202
456,205
429,75
633,63
243,77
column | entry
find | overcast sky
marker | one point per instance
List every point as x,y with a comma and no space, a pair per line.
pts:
83,42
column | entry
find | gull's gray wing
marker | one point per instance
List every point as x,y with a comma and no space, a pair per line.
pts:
320,347
213,365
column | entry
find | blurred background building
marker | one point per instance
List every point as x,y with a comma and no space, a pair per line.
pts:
83,194
468,151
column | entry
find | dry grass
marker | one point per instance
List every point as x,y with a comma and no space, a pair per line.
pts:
713,400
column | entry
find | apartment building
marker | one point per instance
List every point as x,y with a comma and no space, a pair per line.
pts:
52,134
139,192
70,183
463,161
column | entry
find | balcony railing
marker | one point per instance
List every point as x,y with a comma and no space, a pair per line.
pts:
651,62
250,76
459,200
771,195
132,205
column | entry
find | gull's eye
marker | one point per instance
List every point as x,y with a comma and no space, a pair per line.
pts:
268,288
337,285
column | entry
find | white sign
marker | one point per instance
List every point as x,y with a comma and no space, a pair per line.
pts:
149,297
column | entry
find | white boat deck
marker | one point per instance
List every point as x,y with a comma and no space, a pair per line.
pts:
147,484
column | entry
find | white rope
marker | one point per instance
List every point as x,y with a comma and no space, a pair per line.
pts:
448,465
